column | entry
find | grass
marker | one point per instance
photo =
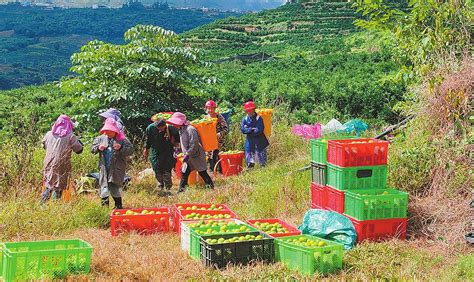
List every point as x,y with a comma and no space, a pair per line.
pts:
275,191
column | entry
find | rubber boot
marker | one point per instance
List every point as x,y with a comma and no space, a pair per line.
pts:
118,203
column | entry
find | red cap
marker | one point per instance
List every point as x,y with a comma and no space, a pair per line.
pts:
211,104
248,106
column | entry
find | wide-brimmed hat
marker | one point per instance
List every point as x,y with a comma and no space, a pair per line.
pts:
111,113
111,125
177,119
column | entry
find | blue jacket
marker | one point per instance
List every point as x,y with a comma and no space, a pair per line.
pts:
253,128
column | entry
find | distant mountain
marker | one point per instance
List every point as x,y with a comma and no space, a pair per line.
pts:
238,5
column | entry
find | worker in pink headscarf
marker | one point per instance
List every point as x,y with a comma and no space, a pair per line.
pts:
59,144
113,149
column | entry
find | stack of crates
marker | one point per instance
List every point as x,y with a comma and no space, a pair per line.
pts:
356,186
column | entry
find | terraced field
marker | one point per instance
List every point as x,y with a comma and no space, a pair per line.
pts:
291,26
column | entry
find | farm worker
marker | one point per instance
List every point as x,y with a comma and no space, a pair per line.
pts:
194,157
221,128
115,114
113,149
59,143
256,142
161,139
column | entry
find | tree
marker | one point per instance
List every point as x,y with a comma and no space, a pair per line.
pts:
153,71
427,33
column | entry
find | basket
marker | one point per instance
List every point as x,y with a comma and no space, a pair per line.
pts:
195,238
376,204
208,134
241,253
184,207
185,232
308,260
319,196
365,152
319,173
335,200
364,177
291,229
380,229
182,217
266,115
143,224
319,148
231,164
49,260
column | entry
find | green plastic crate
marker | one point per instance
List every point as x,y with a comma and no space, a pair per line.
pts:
44,259
359,177
319,148
308,260
195,238
371,204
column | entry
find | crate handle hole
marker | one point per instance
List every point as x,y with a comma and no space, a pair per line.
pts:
364,173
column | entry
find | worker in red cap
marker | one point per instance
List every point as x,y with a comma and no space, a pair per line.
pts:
221,128
256,142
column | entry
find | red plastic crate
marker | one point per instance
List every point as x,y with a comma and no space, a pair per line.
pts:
181,217
380,229
291,229
319,196
345,153
142,223
335,200
176,211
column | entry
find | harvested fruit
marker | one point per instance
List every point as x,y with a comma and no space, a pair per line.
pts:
206,216
306,242
212,223
158,116
143,212
271,227
223,230
234,152
194,208
205,120
234,239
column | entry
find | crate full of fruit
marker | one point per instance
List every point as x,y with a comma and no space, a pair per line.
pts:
44,260
240,249
376,204
224,228
143,221
187,226
178,208
357,152
309,254
274,227
201,215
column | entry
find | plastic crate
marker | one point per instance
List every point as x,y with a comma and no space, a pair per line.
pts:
242,253
319,196
364,177
185,232
55,259
182,216
195,238
319,148
335,200
380,229
143,224
308,260
319,173
291,229
376,204
177,211
368,152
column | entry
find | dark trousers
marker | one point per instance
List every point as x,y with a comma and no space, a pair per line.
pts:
213,160
205,176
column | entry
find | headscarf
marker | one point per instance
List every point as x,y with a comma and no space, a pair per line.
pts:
111,125
115,114
63,126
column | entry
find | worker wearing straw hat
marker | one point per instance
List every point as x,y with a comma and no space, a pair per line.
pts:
194,155
256,142
113,149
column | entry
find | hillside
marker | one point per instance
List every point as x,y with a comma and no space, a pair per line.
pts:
290,27
36,44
